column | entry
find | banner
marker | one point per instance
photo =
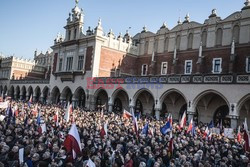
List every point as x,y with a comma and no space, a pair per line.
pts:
4,105
229,133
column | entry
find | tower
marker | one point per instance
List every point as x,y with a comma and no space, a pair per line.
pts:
75,23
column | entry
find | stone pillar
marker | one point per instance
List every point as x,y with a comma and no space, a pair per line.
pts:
27,97
110,108
190,115
34,99
21,97
234,121
41,99
15,96
157,113
190,111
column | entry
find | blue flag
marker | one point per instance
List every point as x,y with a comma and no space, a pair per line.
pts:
211,124
38,120
166,128
145,130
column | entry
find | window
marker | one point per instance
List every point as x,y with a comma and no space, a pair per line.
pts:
80,63
236,33
117,72
204,38
188,66
60,64
69,63
248,65
146,48
69,34
75,34
219,37
190,41
164,68
166,44
144,70
178,42
217,65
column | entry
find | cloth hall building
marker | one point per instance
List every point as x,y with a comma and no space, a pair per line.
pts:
201,68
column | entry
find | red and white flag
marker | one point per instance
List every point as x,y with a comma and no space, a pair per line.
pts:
238,135
126,114
135,124
171,143
246,136
190,126
205,134
72,143
183,120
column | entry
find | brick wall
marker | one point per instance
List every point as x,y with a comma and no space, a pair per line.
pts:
112,59
88,61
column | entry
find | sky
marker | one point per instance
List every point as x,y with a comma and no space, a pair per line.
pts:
27,25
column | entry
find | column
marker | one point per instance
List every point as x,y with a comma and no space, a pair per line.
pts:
27,96
190,111
15,96
157,113
234,121
110,107
41,99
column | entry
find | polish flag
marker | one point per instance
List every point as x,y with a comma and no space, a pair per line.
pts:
135,124
183,120
190,127
31,98
239,135
246,136
126,114
35,111
72,143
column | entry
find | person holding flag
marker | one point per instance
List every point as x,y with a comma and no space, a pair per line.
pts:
72,143
166,128
135,124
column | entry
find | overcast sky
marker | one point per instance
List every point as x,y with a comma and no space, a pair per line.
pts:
27,25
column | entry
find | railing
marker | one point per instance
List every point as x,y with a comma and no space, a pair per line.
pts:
178,79
42,81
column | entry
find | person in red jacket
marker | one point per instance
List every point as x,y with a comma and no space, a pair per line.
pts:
128,161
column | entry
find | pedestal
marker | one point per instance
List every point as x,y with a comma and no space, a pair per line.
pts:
110,108
234,121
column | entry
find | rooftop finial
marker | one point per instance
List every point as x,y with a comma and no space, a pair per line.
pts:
99,21
77,1
144,28
179,20
164,25
187,18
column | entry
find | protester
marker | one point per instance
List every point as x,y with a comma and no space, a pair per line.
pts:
109,140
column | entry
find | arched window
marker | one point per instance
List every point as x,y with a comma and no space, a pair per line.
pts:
178,42
204,38
146,48
166,44
190,41
156,46
236,33
219,37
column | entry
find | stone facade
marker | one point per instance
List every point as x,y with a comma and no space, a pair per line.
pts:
202,69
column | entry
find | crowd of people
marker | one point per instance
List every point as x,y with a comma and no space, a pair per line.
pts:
120,146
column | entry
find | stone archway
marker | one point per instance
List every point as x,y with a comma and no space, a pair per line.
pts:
210,104
12,92
67,95
121,101
37,94
144,102
79,97
244,109
45,94
17,92
55,95
175,103
101,99
30,92
23,94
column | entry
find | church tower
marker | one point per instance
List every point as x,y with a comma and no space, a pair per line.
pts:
74,25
